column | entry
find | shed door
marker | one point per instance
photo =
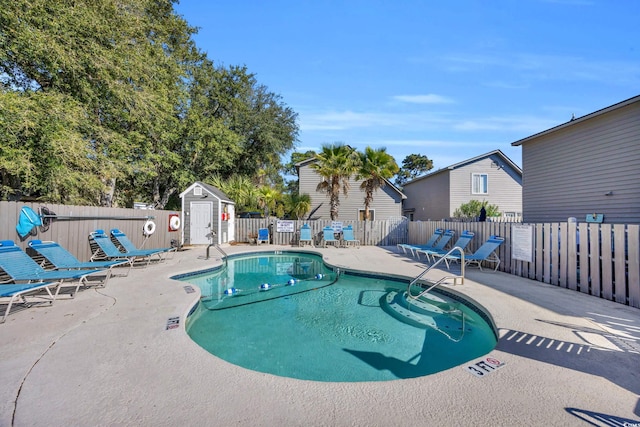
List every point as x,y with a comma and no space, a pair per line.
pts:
201,223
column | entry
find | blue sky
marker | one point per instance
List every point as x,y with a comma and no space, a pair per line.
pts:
446,79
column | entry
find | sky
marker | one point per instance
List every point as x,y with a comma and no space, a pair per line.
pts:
449,80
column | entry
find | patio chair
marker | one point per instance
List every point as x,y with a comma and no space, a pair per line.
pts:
439,246
103,249
486,252
263,236
428,245
125,245
462,243
21,268
348,239
328,237
305,236
19,292
62,259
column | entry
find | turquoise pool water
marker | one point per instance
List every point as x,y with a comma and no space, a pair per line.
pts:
322,329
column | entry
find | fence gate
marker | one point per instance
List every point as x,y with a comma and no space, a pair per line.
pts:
398,230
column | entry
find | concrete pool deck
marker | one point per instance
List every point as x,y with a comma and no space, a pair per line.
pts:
106,358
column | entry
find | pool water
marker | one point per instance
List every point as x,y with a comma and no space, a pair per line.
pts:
326,330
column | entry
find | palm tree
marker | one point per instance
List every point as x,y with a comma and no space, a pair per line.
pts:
268,198
376,167
298,204
335,164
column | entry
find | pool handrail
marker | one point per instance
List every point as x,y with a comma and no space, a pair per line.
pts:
439,282
224,254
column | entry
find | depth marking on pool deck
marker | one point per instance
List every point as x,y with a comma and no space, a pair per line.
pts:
173,323
484,366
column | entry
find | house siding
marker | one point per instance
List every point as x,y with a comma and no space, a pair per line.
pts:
568,172
438,195
504,186
428,197
387,202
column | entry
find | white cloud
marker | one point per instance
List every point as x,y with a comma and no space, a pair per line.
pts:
423,99
528,124
531,66
343,120
426,143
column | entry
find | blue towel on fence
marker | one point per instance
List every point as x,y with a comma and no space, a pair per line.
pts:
27,221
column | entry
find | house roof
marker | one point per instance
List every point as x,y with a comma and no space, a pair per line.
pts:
498,153
575,121
313,160
216,192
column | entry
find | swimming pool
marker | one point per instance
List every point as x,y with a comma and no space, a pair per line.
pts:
315,323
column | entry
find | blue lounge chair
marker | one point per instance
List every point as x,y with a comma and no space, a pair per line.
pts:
428,245
21,268
328,237
305,235
486,252
20,291
102,248
348,239
61,259
263,236
439,246
461,243
126,246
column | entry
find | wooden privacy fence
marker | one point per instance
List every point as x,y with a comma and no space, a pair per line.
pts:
72,225
602,260
371,233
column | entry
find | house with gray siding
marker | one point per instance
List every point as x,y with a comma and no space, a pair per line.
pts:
206,209
387,201
588,165
491,177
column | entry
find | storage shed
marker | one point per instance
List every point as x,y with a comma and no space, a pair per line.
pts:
206,209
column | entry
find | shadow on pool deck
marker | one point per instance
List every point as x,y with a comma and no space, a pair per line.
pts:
608,346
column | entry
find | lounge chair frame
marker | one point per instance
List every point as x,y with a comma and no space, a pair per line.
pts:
263,236
102,248
125,245
486,252
462,243
17,292
21,268
348,239
328,237
61,259
437,234
306,236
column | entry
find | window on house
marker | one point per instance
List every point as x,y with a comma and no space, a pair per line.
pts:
197,191
479,183
372,214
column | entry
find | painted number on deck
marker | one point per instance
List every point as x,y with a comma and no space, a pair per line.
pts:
484,366
173,323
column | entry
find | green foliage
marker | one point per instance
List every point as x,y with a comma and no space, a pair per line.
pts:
472,208
295,158
336,164
413,166
297,205
110,101
376,166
